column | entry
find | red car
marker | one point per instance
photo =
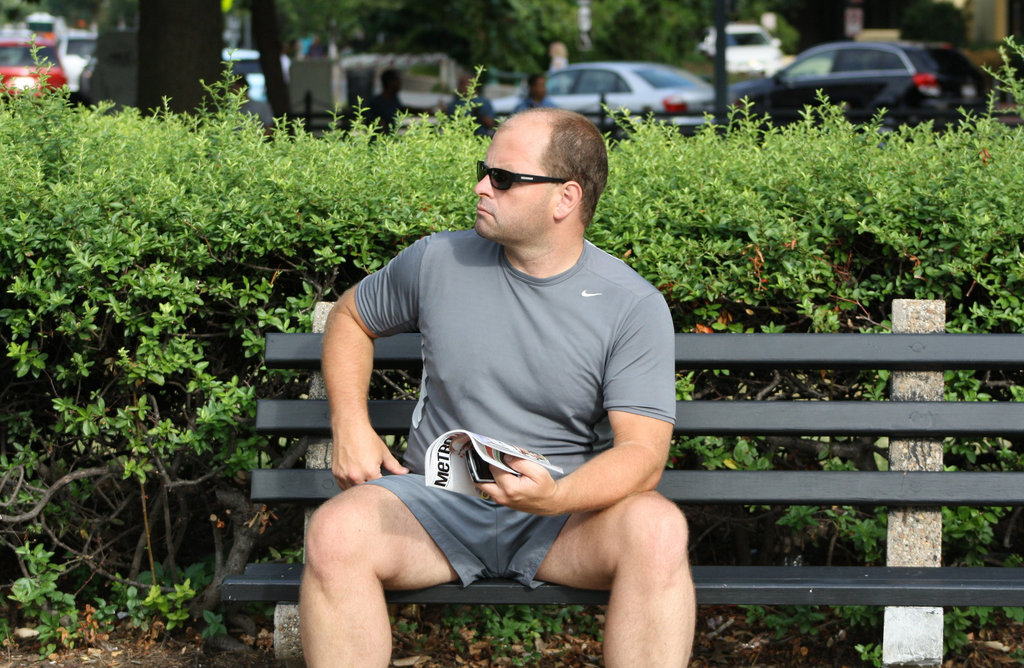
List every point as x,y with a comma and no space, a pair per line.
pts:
19,71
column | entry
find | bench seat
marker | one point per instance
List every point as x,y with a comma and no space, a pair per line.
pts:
854,488
716,585
810,585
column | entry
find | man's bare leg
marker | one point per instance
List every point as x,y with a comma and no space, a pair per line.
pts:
638,549
357,544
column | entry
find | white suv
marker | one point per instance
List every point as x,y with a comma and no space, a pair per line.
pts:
750,49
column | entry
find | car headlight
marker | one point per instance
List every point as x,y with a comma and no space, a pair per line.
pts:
22,82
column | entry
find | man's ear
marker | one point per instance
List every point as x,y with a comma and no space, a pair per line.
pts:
569,202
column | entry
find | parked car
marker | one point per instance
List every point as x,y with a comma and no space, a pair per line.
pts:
640,87
911,80
246,62
44,24
75,49
750,49
19,70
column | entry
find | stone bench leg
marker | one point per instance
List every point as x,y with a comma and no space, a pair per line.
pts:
913,635
287,641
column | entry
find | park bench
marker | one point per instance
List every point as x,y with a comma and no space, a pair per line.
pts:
914,585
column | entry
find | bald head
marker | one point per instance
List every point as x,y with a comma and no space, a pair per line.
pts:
575,151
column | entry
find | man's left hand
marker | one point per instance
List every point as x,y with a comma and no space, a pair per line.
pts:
533,492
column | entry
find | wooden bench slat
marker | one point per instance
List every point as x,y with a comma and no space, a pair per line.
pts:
856,488
918,419
738,351
917,352
716,585
302,351
309,417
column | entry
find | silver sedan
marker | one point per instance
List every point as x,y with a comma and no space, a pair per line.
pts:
668,92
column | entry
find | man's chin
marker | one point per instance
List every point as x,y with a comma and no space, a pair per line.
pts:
482,228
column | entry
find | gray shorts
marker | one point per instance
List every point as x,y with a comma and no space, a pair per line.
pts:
481,539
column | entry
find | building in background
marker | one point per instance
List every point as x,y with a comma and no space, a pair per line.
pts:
993,20
989,21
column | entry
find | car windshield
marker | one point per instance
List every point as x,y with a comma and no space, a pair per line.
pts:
599,82
20,55
561,83
951,62
867,60
246,67
815,65
747,39
669,77
81,47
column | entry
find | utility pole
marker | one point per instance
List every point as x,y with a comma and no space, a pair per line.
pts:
721,78
583,22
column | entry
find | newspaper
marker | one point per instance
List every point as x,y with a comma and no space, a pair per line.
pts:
458,459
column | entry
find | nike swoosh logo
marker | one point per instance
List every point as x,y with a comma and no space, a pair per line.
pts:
590,294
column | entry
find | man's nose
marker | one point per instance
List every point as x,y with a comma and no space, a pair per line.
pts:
483,186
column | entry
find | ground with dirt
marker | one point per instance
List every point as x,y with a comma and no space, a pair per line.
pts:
724,638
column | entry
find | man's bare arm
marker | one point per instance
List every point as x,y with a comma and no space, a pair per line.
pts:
358,452
634,464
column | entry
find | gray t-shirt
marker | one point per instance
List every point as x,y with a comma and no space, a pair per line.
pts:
534,362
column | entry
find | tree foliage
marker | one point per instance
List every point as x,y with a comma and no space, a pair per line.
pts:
506,35
647,29
509,34
934,21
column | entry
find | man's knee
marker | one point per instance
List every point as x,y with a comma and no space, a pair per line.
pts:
657,529
338,529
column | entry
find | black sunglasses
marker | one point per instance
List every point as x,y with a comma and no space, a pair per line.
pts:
502,179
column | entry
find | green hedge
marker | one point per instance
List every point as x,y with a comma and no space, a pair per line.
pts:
144,257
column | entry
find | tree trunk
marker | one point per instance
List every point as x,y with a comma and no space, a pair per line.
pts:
268,41
179,48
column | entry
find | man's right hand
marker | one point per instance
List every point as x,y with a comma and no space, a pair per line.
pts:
358,454
358,457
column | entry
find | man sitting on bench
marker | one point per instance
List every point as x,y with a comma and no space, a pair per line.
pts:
534,336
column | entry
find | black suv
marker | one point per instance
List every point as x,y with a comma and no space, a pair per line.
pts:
913,82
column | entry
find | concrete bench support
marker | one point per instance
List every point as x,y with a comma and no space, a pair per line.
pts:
287,642
913,635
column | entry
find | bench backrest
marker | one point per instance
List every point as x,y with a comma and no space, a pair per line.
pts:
914,352
848,352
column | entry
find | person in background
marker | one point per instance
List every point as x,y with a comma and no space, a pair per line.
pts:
316,48
384,107
559,56
287,48
479,106
536,94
